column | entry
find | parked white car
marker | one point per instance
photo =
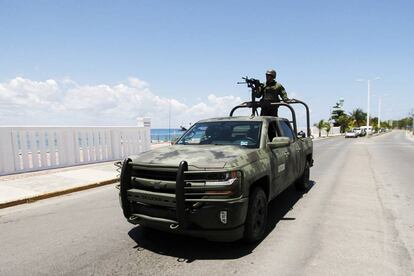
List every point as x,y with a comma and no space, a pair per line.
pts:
351,134
358,131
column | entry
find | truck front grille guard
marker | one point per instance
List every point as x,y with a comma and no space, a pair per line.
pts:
179,196
125,182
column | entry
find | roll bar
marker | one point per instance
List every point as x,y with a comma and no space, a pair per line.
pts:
254,105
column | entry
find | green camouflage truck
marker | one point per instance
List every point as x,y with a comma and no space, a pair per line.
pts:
217,179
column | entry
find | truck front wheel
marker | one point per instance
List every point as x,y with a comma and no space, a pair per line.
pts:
256,219
302,184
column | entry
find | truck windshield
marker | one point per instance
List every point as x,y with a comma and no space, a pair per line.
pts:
245,134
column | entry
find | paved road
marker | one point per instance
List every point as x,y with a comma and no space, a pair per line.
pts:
356,219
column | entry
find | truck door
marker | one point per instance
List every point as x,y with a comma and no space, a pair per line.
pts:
278,159
293,162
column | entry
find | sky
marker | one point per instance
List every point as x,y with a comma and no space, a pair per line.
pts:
109,62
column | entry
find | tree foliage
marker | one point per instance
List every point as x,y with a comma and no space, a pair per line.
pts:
404,123
359,117
344,121
320,126
327,128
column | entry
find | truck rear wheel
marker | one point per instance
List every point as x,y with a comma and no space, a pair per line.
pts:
302,184
256,219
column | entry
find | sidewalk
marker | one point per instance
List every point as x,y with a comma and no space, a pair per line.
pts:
23,188
316,138
409,135
28,187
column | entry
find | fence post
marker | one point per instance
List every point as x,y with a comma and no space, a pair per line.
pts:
108,148
24,149
70,149
51,146
62,146
34,149
115,144
6,151
147,127
42,148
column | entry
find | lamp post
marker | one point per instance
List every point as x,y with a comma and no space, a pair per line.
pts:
369,99
412,125
379,113
369,104
379,109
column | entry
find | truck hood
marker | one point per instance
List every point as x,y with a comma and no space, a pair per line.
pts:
199,156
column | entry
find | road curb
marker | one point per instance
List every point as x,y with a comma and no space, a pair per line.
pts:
57,193
325,137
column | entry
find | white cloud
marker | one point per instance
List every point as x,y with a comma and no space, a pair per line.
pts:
63,102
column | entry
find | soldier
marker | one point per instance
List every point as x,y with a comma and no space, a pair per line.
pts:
271,92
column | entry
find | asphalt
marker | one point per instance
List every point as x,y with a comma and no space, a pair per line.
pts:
356,219
25,188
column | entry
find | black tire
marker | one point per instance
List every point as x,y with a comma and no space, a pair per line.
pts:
256,220
302,184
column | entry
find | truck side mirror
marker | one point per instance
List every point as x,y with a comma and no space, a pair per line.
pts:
279,142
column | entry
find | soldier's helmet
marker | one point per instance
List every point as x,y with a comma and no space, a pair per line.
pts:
271,72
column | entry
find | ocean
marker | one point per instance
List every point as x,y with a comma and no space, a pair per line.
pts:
159,135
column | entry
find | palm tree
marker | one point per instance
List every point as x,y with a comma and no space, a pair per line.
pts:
320,126
359,116
327,128
344,121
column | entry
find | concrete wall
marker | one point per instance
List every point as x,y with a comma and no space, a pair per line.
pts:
333,132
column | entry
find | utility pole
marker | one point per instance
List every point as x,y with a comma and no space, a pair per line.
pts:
412,125
379,113
369,95
369,99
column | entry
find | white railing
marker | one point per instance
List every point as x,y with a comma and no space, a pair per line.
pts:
334,131
35,148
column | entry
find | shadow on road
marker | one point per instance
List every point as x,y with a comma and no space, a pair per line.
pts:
282,204
188,249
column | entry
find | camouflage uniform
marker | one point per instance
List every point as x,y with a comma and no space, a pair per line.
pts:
270,93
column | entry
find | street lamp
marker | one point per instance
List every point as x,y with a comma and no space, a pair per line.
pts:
379,108
379,113
412,125
369,98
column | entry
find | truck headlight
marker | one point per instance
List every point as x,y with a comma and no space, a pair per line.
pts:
213,183
229,184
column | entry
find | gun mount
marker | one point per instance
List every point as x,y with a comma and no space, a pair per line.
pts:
254,85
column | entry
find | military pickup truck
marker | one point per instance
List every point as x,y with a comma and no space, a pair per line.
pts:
217,179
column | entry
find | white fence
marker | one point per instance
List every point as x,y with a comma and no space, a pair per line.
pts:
34,148
333,131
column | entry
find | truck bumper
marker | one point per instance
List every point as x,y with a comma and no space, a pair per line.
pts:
205,222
